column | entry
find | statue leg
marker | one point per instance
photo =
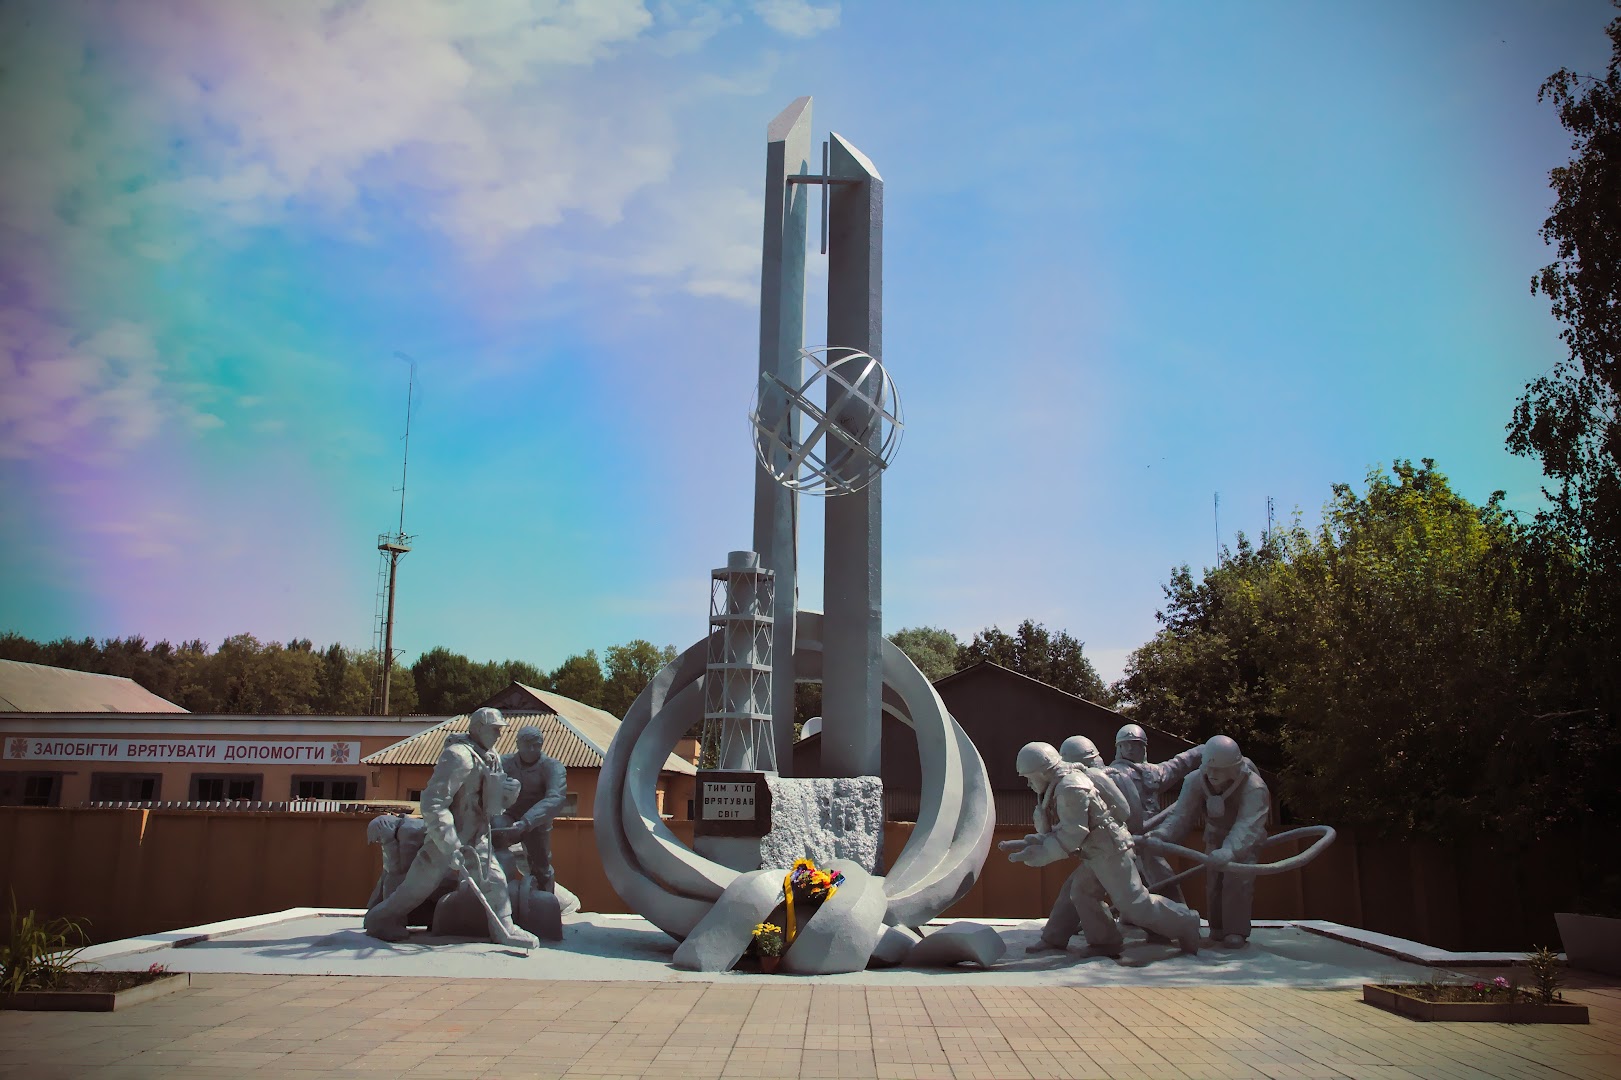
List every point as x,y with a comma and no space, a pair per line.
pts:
1063,922
1118,875
1237,901
1214,887
537,850
492,882
386,919
1087,895
1157,868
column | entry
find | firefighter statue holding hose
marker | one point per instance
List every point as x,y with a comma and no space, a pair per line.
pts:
1227,796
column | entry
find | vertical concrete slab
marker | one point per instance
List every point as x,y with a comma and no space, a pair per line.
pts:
852,674
782,335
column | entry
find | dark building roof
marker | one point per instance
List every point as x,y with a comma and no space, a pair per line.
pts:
1001,710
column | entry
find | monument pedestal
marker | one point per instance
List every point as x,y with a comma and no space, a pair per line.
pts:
821,819
753,821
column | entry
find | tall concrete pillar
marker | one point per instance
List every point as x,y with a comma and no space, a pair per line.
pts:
782,335
852,676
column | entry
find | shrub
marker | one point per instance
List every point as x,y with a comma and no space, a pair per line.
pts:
37,953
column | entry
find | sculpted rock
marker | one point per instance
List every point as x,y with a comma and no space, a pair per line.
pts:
821,819
972,943
894,945
721,936
844,931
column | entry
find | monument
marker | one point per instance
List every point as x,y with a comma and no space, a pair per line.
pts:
833,434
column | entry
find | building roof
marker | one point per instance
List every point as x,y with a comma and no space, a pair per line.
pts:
40,689
576,734
238,725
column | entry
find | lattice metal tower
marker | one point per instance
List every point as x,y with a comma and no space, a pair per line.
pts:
390,546
737,686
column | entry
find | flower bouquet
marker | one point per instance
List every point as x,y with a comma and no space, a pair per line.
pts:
810,885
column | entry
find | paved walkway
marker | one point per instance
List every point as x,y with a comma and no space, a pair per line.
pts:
368,1026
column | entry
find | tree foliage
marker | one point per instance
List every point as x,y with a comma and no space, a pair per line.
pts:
1056,659
243,676
579,677
1571,418
1404,666
933,650
630,668
248,676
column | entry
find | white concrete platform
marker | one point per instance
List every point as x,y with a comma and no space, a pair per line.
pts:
626,948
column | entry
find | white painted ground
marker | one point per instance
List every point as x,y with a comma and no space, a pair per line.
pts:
303,941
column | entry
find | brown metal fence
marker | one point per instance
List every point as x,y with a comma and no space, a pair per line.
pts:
139,871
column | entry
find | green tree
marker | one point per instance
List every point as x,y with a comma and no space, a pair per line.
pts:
1033,650
1209,671
248,677
448,683
579,677
933,650
1571,419
630,668
1402,666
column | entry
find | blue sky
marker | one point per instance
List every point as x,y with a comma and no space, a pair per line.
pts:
1134,255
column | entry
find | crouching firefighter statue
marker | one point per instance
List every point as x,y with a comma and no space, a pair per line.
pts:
1072,818
468,789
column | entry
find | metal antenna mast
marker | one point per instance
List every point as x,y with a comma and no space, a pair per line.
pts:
391,547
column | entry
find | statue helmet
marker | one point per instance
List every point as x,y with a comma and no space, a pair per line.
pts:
1082,751
1222,752
486,717
1037,759
1130,733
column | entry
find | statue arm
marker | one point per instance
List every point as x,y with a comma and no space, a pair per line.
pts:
1184,814
546,808
449,773
1173,771
1249,829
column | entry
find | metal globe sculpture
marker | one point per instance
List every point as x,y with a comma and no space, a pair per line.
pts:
842,445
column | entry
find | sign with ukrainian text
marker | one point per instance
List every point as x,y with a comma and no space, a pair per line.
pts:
202,751
732,804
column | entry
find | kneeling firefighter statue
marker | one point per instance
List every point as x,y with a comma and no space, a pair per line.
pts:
468,789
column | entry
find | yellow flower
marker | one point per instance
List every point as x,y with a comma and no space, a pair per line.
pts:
767,928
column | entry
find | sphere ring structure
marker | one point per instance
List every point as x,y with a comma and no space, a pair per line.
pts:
676,889
831,449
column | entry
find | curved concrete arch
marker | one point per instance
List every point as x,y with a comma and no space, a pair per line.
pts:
675,888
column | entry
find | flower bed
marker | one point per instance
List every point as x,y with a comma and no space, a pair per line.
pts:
1497,1002
97,991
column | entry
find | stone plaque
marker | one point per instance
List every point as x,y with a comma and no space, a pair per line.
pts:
732,804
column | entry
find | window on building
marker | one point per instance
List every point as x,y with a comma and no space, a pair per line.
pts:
30,789
125,787
213,787
414,794
571,805
329,787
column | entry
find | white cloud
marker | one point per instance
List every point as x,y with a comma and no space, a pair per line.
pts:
147,532
797,18
83,397
139,134
709,243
